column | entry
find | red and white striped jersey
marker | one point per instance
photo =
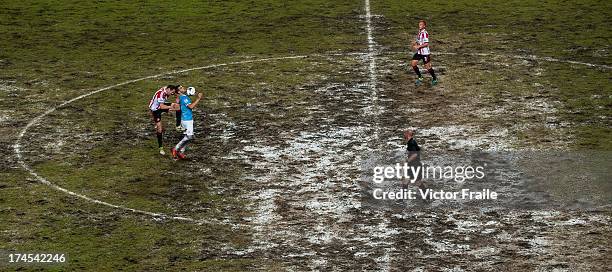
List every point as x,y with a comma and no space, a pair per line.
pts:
158,98
422,38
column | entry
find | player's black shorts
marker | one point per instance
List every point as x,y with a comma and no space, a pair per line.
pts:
156,114
425,58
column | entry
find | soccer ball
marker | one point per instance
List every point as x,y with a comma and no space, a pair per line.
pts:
190,91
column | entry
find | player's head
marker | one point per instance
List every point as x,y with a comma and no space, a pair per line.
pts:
181,89
422,24
408,134
172,89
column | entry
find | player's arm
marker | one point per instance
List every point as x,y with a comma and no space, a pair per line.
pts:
167,106
423,45
195,103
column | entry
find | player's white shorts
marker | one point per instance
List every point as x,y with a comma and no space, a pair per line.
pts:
188,126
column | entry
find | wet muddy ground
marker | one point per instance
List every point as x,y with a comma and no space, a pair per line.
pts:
279,177
308,209
293,158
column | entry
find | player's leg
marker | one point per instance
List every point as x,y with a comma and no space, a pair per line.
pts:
159,142
404,182
176,149
184,147
418,179
188,125
178,121
414,63
434,79
159,131
179,149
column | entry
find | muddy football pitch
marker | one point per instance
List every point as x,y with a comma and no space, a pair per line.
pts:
301,101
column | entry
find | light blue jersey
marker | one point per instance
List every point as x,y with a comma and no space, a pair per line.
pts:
186,114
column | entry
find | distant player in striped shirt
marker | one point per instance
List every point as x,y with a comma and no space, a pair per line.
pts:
421,47
157,106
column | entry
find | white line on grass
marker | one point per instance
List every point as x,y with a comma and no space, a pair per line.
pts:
372,66
34,121
371,56
371,47
24,165
384,261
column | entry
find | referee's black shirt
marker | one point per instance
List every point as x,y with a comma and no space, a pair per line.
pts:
413,148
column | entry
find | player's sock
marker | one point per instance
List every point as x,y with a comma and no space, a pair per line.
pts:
432,73
417,71
182,143
159,139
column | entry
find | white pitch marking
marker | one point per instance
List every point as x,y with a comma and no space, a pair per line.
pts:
375,109
371,47
371,55
17,146
372,66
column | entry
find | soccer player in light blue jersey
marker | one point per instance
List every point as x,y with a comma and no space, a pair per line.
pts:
186,107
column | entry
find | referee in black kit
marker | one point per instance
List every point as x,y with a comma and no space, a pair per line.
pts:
413,159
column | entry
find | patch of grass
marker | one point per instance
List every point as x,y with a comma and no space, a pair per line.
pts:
115,172
56,50
576,31
89,234
587,103
107,155
53,51
593,137
110,158
70,46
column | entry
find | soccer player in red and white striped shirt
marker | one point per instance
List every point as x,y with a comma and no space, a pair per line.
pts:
421,47
157,106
